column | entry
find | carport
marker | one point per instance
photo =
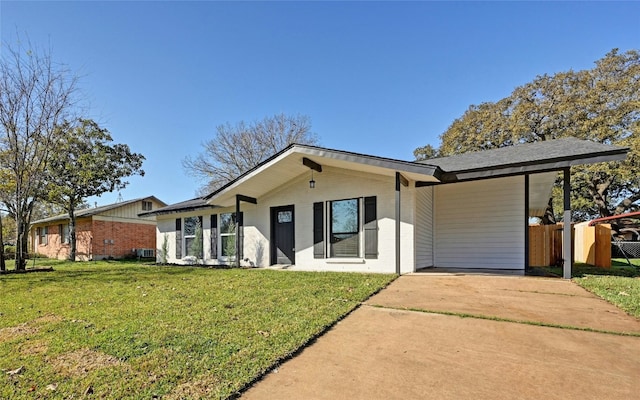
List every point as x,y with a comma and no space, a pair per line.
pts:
539,163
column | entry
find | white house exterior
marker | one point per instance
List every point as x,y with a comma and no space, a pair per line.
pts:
372,214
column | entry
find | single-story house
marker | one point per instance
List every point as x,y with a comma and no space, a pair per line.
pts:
111,231
330,210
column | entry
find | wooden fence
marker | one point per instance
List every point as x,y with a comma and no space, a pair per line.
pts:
545,245
591,245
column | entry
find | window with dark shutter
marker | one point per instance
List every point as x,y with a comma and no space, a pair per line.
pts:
178,238
318,230
214,237
370,228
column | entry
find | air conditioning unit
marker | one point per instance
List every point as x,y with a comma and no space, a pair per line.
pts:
146,253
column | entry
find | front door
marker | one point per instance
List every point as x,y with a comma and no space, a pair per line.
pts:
282,235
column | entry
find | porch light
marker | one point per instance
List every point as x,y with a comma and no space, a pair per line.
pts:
312,183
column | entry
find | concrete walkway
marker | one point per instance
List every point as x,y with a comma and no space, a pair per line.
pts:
386,350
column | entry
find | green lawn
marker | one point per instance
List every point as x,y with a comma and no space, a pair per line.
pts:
619,285
129,330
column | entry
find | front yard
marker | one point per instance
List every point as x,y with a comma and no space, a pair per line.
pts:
127,330
620,285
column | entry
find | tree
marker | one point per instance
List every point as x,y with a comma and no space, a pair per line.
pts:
86,163
236,149
601,104
36,95
425,153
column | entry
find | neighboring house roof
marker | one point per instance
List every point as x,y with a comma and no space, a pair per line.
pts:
527,158
184,206
88,212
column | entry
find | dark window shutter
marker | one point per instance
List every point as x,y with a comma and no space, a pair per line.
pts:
178,238
201,238
240,236
370,228
318,230
214,237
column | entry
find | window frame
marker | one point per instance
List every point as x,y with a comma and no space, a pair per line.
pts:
222,234
64,234
358,234
42,235
191,236
147,205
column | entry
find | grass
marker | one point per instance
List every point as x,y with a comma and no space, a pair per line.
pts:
128,330
619,285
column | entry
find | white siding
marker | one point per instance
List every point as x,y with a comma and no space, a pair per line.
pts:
331,184
480,224
424,227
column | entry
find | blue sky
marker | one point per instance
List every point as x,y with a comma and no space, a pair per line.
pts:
374,77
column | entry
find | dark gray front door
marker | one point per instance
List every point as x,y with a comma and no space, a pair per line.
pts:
282,235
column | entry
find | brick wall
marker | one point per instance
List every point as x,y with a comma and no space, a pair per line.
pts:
90,240
124,236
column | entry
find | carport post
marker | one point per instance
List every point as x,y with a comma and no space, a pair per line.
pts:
400,181
398,223
566,229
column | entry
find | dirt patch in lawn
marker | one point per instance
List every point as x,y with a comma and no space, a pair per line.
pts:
83,361
195,389
27,328
34,347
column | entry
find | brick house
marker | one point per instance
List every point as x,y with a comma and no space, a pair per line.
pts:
112,231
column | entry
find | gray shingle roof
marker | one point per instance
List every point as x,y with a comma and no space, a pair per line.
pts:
187,205
524,154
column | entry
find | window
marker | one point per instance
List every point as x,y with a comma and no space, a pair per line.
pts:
345,228
64,233
42,235
352,231
193,236
228,234
147,205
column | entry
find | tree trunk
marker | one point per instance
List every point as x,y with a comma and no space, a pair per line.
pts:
21,246
625,204
72,235
549,217
3,267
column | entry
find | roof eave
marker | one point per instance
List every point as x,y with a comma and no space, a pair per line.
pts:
319,152
538,167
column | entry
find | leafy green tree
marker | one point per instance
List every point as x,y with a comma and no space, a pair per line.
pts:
601,104
85,164
425,153
236,149
36,95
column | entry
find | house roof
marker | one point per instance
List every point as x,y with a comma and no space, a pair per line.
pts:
298,159
88,212
197,203
550,155
539,158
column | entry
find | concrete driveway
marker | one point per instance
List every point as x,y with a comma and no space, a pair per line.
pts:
461,336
